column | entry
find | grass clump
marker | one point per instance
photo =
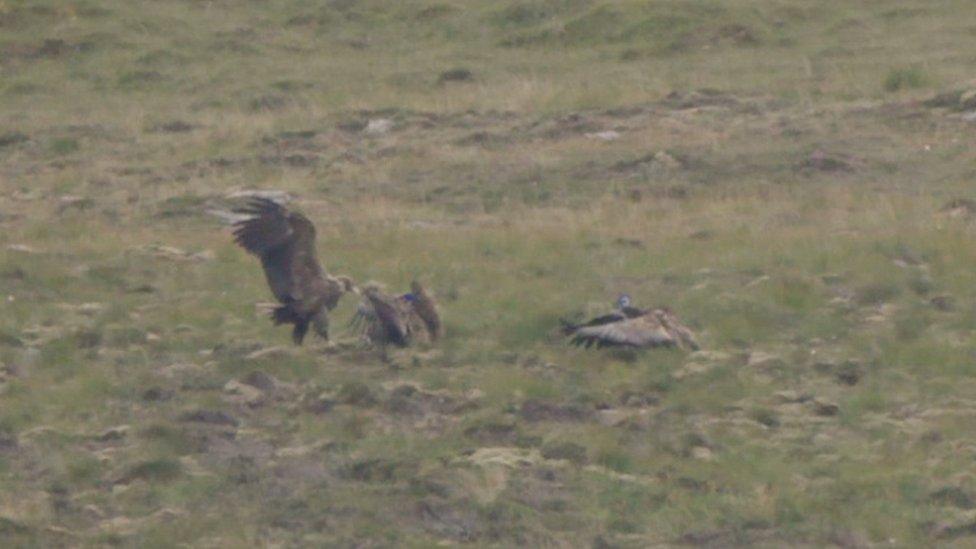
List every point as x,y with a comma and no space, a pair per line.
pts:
905,79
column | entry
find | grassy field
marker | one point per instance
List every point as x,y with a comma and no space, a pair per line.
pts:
790,177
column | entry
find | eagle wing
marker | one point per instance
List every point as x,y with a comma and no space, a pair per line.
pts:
426,308
643,331
284,240
570,328
385,319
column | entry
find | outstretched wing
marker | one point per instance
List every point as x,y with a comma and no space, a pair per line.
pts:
426,308
284,240
643,331
570,328
364,317
267,227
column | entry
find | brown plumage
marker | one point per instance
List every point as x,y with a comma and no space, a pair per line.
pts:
657,327
384,318
402,320
425,307
284,241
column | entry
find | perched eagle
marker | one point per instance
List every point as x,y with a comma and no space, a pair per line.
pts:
401,320
284,240
632,327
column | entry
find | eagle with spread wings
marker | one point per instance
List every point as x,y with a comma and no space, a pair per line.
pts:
630,326
284,241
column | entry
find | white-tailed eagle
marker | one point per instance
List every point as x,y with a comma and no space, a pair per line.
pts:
284,241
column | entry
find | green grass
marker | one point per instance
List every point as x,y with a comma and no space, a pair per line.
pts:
775,179
904,79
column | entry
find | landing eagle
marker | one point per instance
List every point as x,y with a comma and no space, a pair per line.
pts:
284,241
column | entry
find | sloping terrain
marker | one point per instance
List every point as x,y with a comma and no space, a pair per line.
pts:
795,182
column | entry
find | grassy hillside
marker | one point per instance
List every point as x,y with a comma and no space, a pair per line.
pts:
792,179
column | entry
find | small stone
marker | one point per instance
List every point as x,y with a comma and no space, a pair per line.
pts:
709,356
168,514
23,248
119,525
764,360
295,451
959,207
270,352
692,368
609,135
702,453
504,456
379,126
68,202
90,309
243,394
758,281
177,254
93,511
